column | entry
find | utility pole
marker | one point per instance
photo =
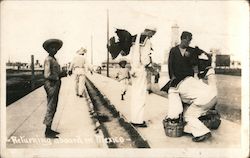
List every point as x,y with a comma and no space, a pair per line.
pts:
32,73
91,49
107,43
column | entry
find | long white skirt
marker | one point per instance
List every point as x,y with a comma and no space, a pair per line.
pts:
138,97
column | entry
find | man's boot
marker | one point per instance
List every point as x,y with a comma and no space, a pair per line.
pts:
55,132
50,133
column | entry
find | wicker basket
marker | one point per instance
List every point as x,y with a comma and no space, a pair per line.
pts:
173,129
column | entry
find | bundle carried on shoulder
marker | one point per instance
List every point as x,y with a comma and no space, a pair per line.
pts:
123,43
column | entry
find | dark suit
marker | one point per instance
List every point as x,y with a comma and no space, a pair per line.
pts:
178,65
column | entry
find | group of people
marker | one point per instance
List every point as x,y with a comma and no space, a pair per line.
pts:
184,86
140,60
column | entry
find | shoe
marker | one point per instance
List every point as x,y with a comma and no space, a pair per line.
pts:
55,132
140,124
149,91
53,136
202,138
50,133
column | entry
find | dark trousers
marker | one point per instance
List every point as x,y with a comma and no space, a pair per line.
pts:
52,89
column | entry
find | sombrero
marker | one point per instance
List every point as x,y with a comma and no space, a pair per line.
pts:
56,43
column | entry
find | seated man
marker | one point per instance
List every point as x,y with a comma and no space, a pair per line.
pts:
184,87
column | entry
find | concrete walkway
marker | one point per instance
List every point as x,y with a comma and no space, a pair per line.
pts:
227,136
25,128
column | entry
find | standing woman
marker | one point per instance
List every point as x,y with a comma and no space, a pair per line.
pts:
52,75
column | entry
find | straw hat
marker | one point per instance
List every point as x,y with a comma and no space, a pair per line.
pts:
57,43
82,51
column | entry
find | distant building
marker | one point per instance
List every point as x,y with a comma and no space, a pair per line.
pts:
225,60
235,64
16,65
222,60
175,38
114,64
23,66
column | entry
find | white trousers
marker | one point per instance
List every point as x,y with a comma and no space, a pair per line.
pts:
79,81
138,96
200,95
124,85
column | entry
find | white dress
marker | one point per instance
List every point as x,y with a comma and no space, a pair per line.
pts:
139,58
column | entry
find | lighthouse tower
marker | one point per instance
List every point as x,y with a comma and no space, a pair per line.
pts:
175,40
175,35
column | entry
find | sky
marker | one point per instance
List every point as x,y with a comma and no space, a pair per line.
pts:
26,25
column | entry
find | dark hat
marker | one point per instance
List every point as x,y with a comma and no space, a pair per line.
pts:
122,62
186,34
56,43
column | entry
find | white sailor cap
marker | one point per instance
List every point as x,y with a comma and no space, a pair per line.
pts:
150,27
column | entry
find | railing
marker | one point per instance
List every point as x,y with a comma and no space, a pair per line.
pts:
228,71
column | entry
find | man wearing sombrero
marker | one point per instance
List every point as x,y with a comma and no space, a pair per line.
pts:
79,68
52,75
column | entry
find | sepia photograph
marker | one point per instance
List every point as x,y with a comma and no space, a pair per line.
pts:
136,78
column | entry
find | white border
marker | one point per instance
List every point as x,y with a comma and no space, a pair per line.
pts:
171,152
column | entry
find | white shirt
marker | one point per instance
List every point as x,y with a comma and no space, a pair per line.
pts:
79,61
183,51
79,64
51,69
123,73
140,56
